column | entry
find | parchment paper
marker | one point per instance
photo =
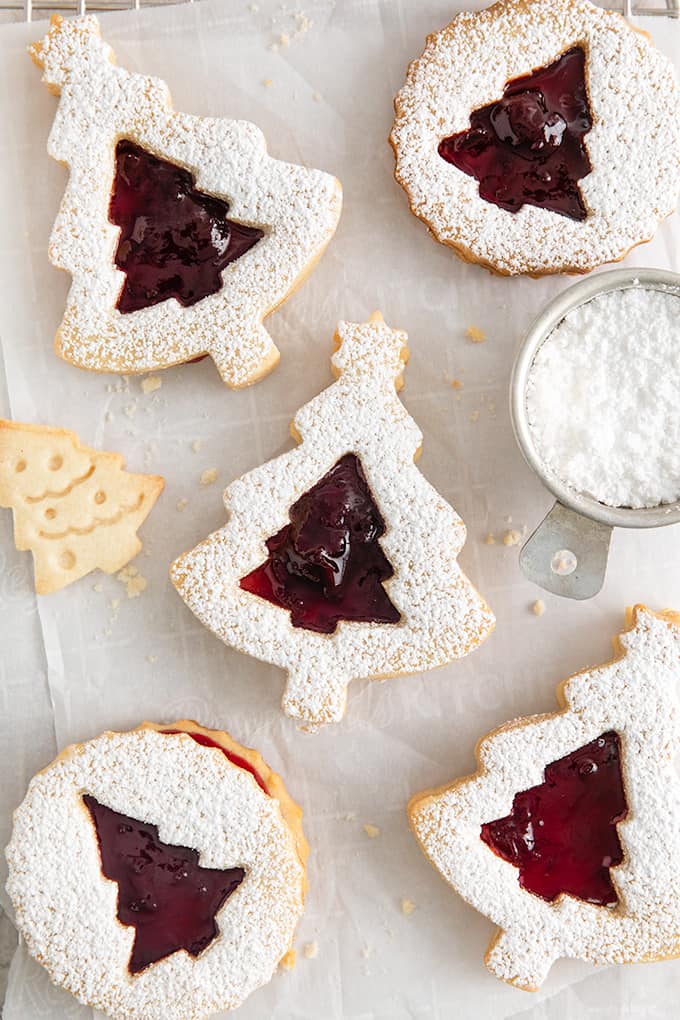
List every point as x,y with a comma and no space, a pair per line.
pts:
84,660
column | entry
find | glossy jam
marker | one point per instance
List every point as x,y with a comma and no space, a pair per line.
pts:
174,241
327,565
235,759
528,147
163,892
562,834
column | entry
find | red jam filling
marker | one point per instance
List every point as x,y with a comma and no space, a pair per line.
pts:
235,759
528,147
327,565
174,241
562,834
163,892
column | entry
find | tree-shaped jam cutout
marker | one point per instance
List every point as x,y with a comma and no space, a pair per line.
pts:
528,147
327,565
562,834
175,241
163,892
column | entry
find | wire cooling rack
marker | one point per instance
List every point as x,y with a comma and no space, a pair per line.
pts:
31,10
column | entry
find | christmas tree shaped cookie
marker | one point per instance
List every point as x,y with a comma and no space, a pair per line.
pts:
180,233
159,873
567,837
75,508
339,560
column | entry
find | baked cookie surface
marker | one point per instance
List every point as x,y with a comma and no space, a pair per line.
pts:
487,94
158,873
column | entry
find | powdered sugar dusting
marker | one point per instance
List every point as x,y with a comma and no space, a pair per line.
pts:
635,695
297,208
602,398
634,144
66,909
442,616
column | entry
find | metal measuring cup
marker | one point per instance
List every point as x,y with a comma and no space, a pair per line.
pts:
567,553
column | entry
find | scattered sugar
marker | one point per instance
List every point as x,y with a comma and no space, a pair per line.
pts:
372,831
602,398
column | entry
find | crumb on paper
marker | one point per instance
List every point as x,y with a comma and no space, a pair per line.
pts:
151,384
209,476
267,82
254,8
538,607
130,410
196,445
114,603
284,39
407,907
134,583
489,538
152,659
98,587
512,537
372,831
350,816
474,416
288,961
456,384
108,416
317,97
366,952
474,333
311,950
181,505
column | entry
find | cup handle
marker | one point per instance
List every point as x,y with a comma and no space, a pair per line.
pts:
567,554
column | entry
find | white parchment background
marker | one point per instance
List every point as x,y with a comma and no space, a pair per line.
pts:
71,665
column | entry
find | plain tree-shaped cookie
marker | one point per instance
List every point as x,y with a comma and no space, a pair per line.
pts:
263,222
75,508
567,837
349,509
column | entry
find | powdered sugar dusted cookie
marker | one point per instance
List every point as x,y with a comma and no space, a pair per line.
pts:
180,233
75,508
567,836
519,143
339,559
158,873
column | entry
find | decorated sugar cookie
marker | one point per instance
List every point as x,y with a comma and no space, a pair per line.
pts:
518,142
180,233
158,873
567,835
339,559
75,508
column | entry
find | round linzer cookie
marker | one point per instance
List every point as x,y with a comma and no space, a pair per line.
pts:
339,560
158,873
539,136
568,835
180,233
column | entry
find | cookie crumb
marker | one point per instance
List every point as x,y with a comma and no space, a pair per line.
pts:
267,82
311,950
474,333
114,603
288,961
538,607
372,831
489,539
181,505
196,445
350,816
152,659
512,537
317,97
456,384
474,416
151,384
284,39
130,410
98,587
366,952
407,907
209,476
134,583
